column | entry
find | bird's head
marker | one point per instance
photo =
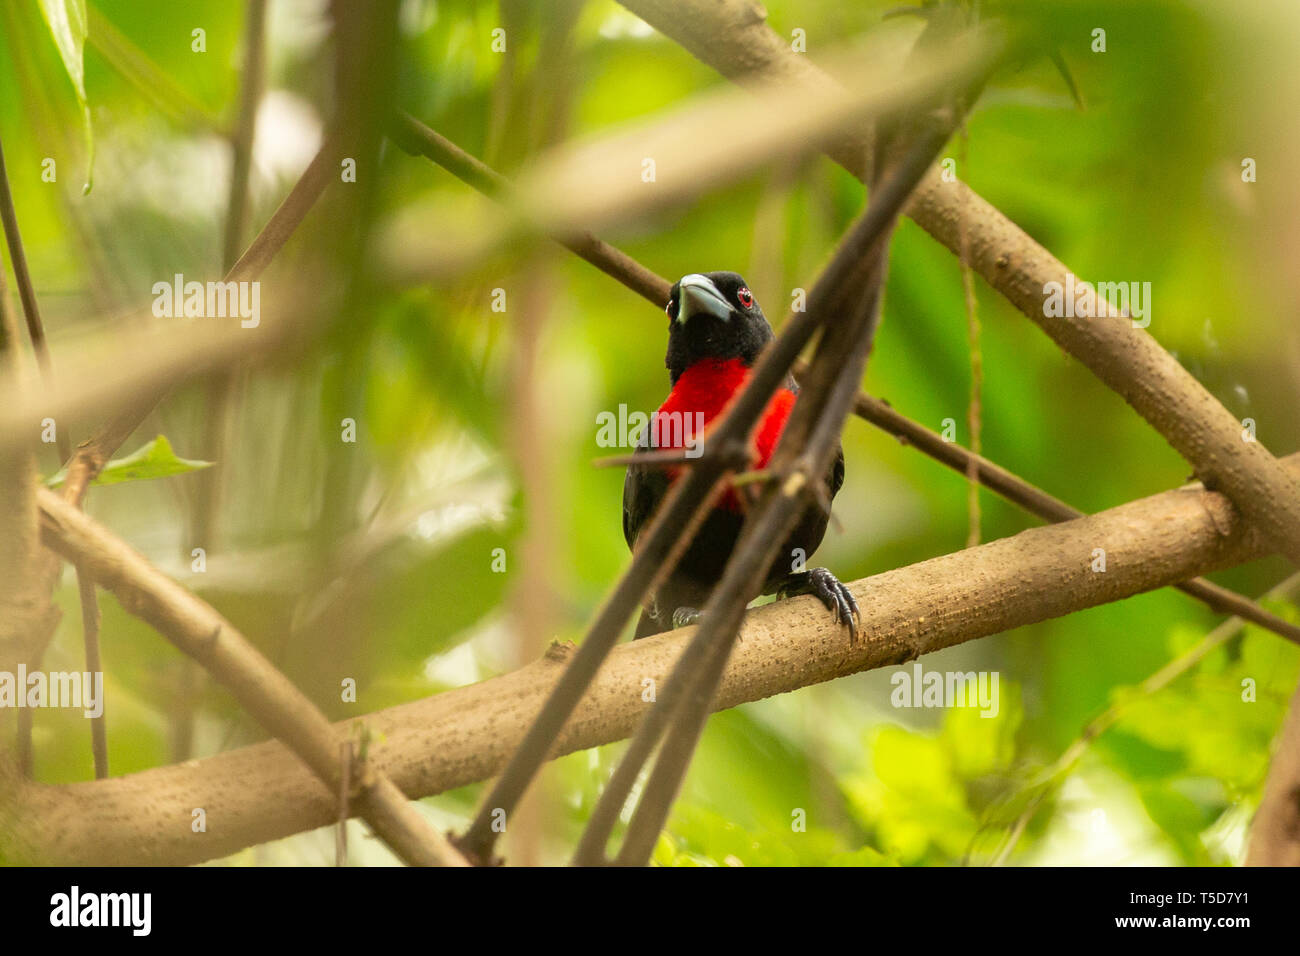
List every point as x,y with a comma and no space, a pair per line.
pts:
713,315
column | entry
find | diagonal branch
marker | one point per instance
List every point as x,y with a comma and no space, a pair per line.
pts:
198,630
803,454
733,37
462,736
802,457
418,140
1038,502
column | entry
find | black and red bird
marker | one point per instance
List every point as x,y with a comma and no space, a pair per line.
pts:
716,331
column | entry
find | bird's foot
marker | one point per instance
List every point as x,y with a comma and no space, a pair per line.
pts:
826,587
686,616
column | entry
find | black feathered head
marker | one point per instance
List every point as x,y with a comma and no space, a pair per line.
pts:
713,315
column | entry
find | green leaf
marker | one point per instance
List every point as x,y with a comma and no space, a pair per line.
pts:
68,25
155,459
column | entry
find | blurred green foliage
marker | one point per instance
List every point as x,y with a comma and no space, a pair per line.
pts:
374,559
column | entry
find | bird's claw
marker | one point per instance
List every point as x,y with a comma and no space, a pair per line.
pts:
686,616
827,588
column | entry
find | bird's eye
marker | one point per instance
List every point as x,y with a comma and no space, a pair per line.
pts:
746,297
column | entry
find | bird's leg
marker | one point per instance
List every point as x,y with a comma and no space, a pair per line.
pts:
686,616
826,587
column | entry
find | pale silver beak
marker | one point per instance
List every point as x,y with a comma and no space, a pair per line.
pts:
698,294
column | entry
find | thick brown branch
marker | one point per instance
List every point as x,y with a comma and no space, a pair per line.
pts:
449,740
85,587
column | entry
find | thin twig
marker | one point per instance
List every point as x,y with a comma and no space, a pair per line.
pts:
1038,502
346,754
584,186
94,664
252,83
27,295
974,410
94,453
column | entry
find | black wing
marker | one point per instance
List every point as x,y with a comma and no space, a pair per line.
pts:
836,477
643,489
837,471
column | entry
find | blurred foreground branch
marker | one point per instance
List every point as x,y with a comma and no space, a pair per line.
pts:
27,615
134,367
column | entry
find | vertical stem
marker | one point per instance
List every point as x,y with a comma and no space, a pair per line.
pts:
252,85
94,665
27,293
345,803
974,410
